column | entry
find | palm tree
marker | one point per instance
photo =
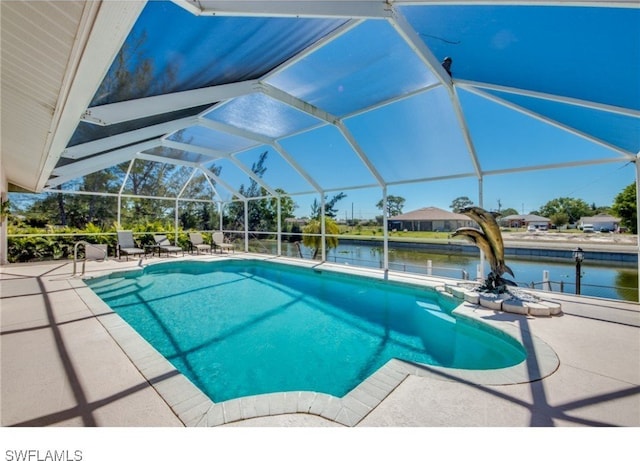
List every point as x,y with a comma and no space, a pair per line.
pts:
311,234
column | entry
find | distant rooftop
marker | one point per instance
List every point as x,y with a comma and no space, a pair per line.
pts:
430,214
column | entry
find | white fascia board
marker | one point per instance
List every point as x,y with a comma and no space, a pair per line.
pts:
109,114
93,164
369,9
104,28
112,142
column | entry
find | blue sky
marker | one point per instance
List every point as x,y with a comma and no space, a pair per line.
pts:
419,137
525,192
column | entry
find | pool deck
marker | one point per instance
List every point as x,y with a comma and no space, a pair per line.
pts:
68,360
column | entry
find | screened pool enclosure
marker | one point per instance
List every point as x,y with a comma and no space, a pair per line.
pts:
334,96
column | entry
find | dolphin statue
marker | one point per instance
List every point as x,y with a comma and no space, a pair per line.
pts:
479,239
489,226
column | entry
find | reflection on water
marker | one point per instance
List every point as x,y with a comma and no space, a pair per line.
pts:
628,279
599,279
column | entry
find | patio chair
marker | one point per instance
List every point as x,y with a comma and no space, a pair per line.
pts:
197,242
126,245
164,245
218,242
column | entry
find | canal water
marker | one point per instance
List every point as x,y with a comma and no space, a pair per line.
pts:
598,278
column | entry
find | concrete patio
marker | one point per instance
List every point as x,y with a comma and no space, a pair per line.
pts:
65,363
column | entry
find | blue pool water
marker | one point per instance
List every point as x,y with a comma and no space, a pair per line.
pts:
238,328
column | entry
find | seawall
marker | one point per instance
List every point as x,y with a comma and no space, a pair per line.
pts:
607,253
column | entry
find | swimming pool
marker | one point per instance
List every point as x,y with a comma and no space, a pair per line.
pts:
240,328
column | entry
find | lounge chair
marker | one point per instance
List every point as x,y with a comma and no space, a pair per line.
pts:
198,243
126,245
218,242
164,245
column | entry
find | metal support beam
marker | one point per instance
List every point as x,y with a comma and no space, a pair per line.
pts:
246,225
411,37
87,149
323,229
481,205
385,226
628,155
218,154
296,103
550,97
213,125
637,163
234,131
117,112
222,183
579,3
360,153
91,164
183,146
291,161
290,9
104,29
121,190
279,229
421,50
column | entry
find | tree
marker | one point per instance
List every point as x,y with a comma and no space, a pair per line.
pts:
459,203
626,207
394,204
131,76
100,211
259,216
287,206
262,213
574,208
559,219
311,235
509,212
329,206
77,211
148,179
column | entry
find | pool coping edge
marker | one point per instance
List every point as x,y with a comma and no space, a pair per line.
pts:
196,409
